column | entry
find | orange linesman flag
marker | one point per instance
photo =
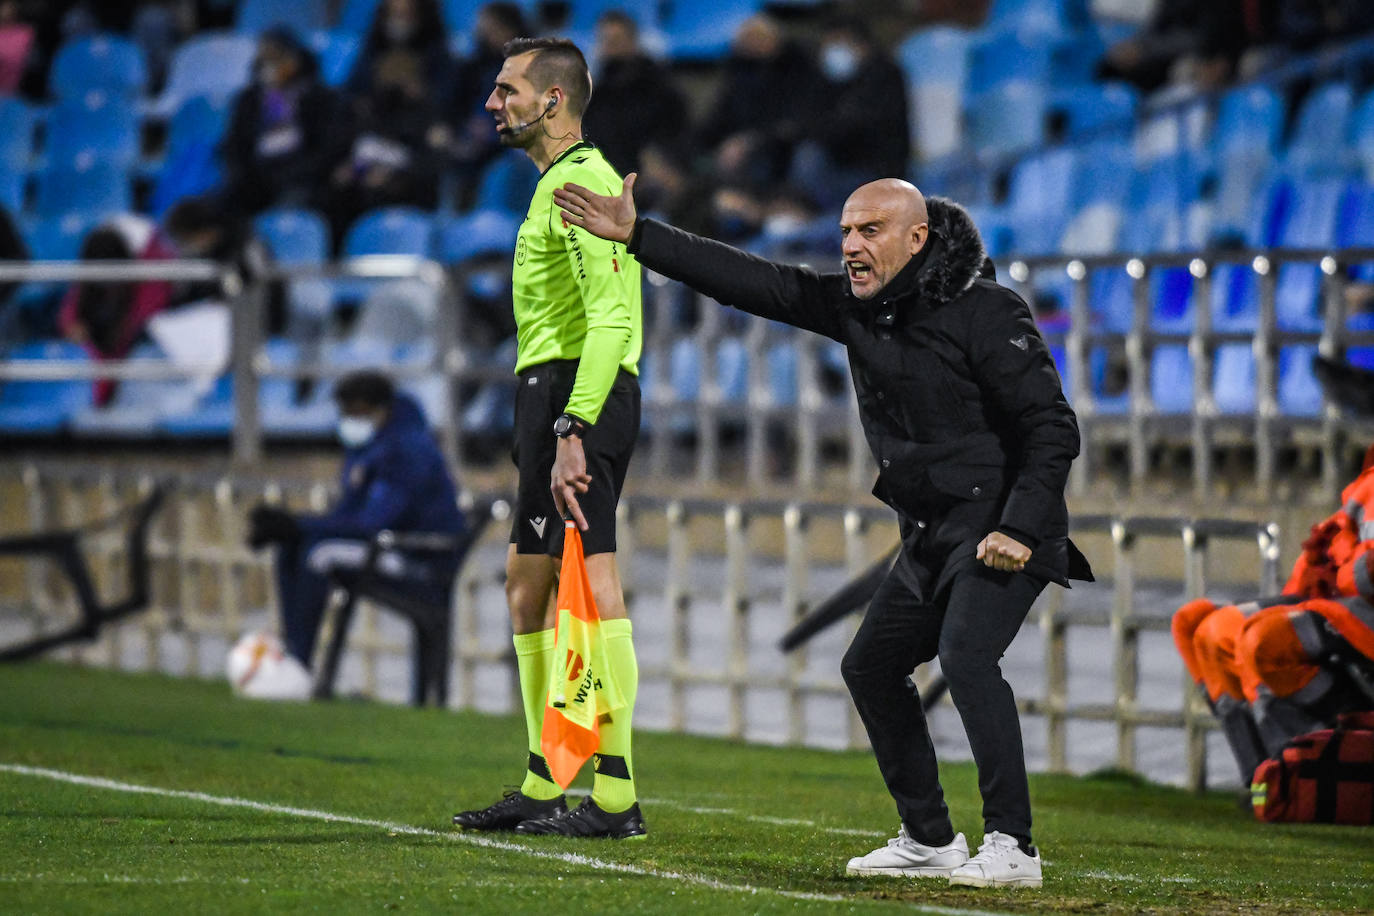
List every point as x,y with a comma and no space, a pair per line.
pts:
581,690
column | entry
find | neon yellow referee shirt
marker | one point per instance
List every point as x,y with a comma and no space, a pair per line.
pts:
576,296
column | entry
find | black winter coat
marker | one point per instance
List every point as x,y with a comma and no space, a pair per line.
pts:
958,394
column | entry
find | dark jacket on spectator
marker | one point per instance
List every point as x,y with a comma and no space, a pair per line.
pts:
280,143
770,98
958,394
396,481
635,104
862,123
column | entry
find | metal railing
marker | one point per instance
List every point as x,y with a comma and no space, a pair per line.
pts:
702,578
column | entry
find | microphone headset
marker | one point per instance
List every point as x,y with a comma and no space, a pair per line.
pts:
521,128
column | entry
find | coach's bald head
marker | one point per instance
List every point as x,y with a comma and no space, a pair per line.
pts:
883,226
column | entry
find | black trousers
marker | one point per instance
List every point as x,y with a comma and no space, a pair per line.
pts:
968,626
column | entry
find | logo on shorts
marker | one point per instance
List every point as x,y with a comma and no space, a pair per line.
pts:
538,524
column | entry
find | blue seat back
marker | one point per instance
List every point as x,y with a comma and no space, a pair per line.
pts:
1006,56
1093,108
57,238
1171,379
93,189
303,16
61,397
1007,118
481,232
936,54
507,184
1318,142
1249,119
1233,379
1313,222
17,122
1299,391
356,16
216,64
390,230
703,29
293,236
107,63
96,126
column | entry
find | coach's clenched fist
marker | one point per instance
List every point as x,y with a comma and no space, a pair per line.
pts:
999,551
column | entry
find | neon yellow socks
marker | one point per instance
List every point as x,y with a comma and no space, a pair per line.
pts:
534,659
613,787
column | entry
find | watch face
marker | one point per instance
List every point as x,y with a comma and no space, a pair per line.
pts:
562,425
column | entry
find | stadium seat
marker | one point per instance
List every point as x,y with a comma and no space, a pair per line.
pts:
1233,379
1249,120
1093,109
93,189
1171,379
190,165
303,16
1299,394
732,371
390,230
1244,211
993,227
42,407
400,316
935,61
1040,199
469,235
507,184
1355,226
202,119
337,52
1312,222
96,126
138,405
216,64
57,238
356,16
1007,119
17,123
1176,131
293,236
1049,15
108,64
784,367
703,29
1008,56
1318,143
1362,134
14,182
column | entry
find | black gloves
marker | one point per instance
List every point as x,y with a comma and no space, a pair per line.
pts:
270,525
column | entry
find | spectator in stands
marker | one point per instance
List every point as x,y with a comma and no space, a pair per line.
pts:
200,229
412,29
282,136
1190,43
761,111
473,143
1307,24
16,45
106,317
860,132
391,159
393,478
635,103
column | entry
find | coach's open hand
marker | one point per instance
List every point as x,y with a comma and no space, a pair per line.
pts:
1001,552
611,218
570,478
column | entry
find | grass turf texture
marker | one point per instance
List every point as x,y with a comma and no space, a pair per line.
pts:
716,810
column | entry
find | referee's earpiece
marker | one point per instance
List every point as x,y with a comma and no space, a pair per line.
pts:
553,100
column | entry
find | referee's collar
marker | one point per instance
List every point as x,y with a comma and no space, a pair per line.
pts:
580,144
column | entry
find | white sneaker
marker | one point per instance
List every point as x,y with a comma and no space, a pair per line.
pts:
999,863
903,857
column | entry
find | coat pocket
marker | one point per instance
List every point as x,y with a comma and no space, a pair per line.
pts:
967,481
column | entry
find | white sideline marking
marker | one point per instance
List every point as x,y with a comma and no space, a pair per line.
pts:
570,858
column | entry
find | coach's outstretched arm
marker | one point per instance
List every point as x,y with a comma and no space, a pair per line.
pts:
793,295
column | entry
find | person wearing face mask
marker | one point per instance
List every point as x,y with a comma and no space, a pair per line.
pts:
282,135
966,417
861,129
393,478
415,30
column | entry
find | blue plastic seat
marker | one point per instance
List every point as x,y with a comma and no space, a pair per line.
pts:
1007,118
1299,391
703,29
1046,14
92,189
1362,135
1318,142
14,182
783,366
216,64
356,16
190,164
507,184
1233,379
732,370
390,230
935,62
1008,56
138,405
17,123
1313,220
37,408
1249,119
255,16
57,238
108,64
293,236
470,235
1355,226
1171,379
96,126
1091,109
935,54
337,52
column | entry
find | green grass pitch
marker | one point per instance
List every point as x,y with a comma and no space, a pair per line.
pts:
137,793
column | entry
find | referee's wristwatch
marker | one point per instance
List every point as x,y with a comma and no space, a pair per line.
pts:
568,425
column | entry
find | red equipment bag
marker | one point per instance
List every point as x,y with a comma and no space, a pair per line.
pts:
1326,777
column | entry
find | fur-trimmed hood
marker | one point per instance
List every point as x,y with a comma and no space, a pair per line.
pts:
952,259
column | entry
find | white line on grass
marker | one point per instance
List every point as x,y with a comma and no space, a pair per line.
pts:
570,858
755,818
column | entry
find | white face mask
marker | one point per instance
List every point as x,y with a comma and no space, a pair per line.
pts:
355,432
839,61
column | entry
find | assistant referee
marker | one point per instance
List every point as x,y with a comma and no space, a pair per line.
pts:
578,331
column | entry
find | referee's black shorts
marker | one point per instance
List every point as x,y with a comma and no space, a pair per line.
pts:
540,398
